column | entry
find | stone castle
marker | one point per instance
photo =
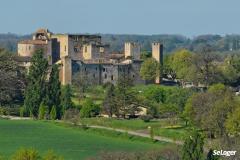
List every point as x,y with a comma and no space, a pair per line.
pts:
87,55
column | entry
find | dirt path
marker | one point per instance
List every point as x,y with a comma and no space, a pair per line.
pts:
135,133
15,117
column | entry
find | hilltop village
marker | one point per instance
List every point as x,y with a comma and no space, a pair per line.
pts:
87,55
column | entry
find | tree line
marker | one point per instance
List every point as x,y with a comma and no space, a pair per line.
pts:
171,43
44,95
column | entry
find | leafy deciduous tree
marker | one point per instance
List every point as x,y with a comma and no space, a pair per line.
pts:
109,100
150,69
12,79
89,109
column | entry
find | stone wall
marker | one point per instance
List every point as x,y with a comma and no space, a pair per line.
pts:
66,70
62,42
132,50
157,53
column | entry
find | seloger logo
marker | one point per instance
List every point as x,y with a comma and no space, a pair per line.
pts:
224,153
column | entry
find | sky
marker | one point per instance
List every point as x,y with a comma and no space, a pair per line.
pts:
185,17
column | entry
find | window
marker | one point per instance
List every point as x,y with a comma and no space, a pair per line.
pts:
133,76
76,38
75,49
101,50
105,76
112,77
93,75
96,68
85,69
104,69
65,48
85,48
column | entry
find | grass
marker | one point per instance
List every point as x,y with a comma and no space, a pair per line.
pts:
95,93
71,143
161,127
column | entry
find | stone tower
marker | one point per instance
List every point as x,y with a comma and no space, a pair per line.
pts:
157,53
132,50
66,70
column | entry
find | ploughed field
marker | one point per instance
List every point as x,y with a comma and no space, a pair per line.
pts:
69,142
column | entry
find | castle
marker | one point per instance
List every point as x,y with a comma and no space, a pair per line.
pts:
87,55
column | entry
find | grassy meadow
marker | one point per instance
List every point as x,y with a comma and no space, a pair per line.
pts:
162,127
70,142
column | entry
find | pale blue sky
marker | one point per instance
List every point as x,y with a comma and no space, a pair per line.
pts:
186,17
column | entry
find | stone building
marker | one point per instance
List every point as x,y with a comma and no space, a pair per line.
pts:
132,50
157,53
41,40
87,55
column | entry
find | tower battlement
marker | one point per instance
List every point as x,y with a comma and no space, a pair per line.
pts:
132,49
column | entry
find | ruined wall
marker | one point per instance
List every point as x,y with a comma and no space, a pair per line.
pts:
75,49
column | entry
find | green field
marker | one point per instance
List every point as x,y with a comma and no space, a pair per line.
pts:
71,143
162,127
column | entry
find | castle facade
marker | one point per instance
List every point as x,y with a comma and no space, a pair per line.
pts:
88,56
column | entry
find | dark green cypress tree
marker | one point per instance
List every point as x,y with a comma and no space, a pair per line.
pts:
35,91
53,113
66,101
193,147
42,111
54,90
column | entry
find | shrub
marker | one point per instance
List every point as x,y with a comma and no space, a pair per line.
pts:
151,133
2,111
13,110
51,156
53,113
42,111
22,111
146,118
89,109
32,154
72,115
168,154
26,154
1,157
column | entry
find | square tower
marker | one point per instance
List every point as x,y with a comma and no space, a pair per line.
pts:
132,50
157,53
